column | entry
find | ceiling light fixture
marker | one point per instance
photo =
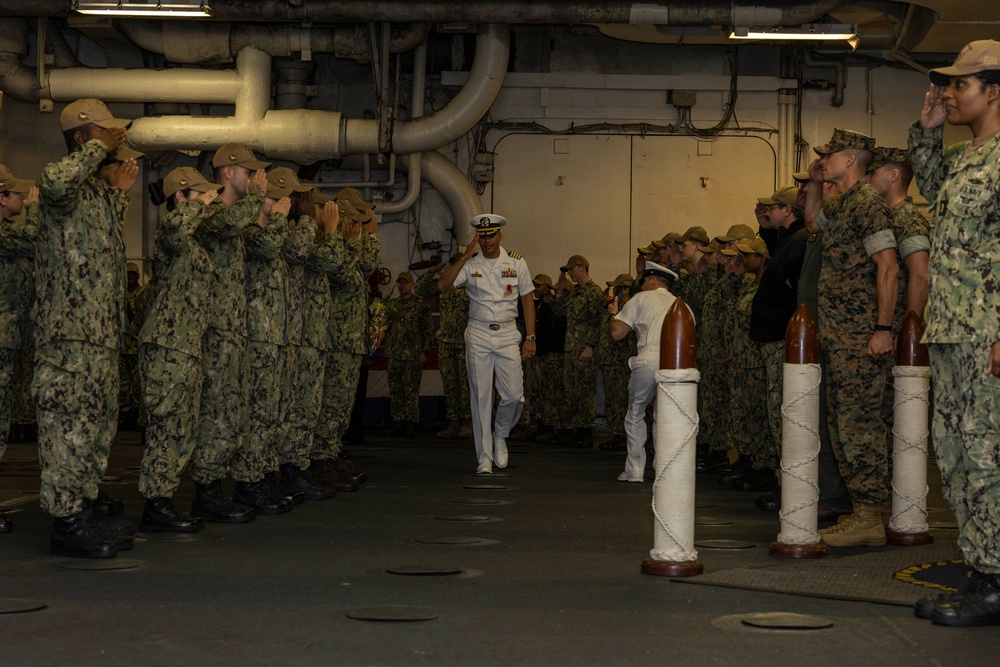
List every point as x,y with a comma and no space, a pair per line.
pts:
151,9
807,32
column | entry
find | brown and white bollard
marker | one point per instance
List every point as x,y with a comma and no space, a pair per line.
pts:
912,376
800,442
674,433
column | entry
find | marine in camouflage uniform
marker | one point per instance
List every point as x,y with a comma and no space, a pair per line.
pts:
450,335
612,357
17,255
170,350
963,327
409,335
584,311
222,420
348,337
79,317
129,392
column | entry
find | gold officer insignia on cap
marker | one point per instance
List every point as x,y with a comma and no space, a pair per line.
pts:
184,181
484,221
233,157
83,115
3,185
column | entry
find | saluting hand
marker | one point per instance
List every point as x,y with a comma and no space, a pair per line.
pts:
282,206
994,365
933,114
207,198
259,179
123,175
330,216
112,137
32,195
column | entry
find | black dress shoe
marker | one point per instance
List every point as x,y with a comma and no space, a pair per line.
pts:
756,480
260,496
211,505
79,536
106,505
712,463
6,525
294,480
978,608
160,515
770,502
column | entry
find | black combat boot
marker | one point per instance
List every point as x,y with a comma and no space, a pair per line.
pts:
328,472
293,480
260,496
281,493
79,536
106,505
116,530
160,515
211,505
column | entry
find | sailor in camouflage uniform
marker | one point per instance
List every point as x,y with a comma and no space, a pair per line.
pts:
409,335
613,356
348,339
450,336
170,358
584,311
857,297
963,318
308,319
79,317
254,463
17,255
222,419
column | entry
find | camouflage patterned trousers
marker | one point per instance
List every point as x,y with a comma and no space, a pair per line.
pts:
555,409
305,400
75,387
580,390
8,360
966,435
748,418
859,399
534,384
404,388
455,377
615,396
265,371
171,383
339,385
715,388
773,355
222,419
129,392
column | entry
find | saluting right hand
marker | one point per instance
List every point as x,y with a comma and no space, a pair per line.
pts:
259,179
112,137
207,198
933,114
32,195
330,215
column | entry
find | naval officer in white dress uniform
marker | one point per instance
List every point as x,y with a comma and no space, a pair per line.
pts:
495,280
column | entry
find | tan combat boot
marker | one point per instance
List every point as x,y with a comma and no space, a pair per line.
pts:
466,430
886,512
862,528
452,431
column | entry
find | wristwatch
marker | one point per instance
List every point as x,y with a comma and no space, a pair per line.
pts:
531,338
883,327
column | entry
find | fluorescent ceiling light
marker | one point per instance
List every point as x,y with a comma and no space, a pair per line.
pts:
162,10
808,32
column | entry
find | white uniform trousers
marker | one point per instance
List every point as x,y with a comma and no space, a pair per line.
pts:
492,352
641,390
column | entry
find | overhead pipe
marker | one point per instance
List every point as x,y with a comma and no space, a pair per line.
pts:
203,42
16,79
454,187
415,161
702,12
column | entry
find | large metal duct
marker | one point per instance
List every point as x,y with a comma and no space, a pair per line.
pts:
453,185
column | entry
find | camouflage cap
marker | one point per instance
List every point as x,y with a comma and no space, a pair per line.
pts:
353,195
975,57
884,156
694,234
736,233
404,277
89,111
843,140
187,178
575,260
11,183
487,225
285,179
668,239
621,280
542,279
786,195
239,155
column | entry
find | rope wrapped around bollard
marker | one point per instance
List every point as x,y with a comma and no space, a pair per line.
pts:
800,442
910,432
675,431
